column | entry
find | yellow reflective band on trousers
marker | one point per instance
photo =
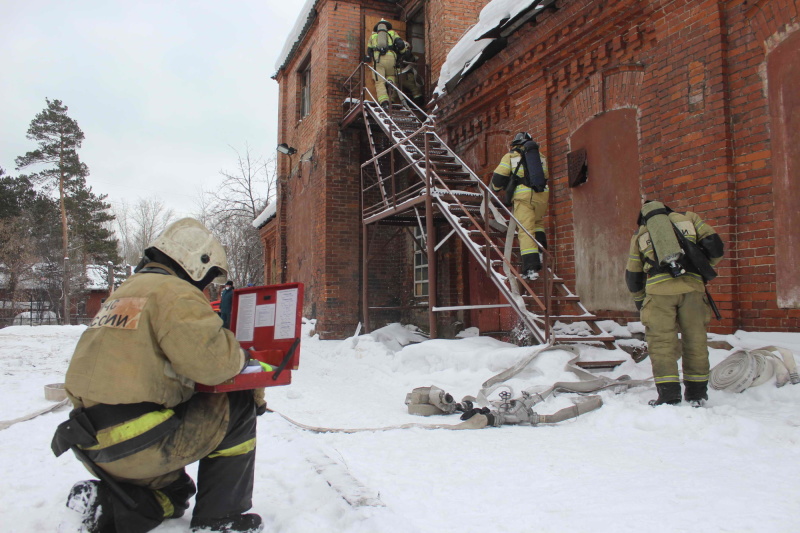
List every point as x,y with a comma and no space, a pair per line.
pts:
165,503
695,377
668,379
240,449
133,428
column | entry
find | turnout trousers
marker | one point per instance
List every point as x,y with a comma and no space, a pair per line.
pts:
529,209
219,430
385,66
666,315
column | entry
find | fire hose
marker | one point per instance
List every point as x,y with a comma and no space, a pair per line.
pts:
749,368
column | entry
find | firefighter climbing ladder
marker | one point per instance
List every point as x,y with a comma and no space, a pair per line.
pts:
414,179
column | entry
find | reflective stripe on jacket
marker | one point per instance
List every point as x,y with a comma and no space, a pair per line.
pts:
150,342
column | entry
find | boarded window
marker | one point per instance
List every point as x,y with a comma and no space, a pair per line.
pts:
605,207
783,80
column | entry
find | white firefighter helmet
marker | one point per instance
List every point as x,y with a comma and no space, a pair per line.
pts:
190,244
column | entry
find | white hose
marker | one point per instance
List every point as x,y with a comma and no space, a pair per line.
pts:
750,368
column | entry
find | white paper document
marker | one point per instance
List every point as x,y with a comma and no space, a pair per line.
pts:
286,314
245,317
265,315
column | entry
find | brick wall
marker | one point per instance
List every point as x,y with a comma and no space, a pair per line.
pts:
446,21
318,216
693,70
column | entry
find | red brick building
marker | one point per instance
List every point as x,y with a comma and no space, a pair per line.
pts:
691,102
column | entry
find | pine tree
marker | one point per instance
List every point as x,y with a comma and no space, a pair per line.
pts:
83,214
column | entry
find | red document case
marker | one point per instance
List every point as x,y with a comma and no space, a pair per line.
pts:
267,321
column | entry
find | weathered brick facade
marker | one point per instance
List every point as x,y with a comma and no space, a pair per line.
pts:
692,102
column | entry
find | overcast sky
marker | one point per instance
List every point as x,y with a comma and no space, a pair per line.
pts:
161,89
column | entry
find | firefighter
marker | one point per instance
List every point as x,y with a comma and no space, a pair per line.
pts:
226,304
522,172
384,45
410,80
670,256
137,421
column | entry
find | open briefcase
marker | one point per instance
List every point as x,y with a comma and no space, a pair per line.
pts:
267,322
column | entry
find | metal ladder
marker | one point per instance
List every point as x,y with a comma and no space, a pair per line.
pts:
402,139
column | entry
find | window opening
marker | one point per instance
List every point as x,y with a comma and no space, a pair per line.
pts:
305,88
420,267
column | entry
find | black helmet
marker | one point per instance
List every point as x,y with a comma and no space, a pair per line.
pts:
520,138
385,23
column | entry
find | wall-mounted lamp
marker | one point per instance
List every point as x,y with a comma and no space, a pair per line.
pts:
286,149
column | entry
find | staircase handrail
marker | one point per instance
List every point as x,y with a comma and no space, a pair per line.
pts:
405,98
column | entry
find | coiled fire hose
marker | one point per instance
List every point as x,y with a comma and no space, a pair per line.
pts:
749,368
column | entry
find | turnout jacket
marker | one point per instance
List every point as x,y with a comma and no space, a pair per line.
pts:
151,341
510,163
375,52
641,273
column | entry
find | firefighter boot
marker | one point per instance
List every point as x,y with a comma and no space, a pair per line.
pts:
241,523
668,393
541,238
92,500
695,392
531,265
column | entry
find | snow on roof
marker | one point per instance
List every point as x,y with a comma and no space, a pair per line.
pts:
97,277
37,277
295,37
265,216
497,20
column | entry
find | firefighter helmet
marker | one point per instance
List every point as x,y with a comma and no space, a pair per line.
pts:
386,23
192,246
520,138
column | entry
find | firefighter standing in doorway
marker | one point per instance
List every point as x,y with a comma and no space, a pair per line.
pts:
383,50
522,172
137,420
671,255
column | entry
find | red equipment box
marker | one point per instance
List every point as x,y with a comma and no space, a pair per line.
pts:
267,322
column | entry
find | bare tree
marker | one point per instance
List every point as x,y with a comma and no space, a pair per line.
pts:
138,225
230,210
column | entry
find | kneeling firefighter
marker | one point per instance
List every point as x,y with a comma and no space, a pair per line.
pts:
671,257
522,172
137,421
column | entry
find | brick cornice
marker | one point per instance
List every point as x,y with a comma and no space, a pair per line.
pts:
570,28
612,88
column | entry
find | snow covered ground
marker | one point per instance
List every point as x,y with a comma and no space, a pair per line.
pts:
732,466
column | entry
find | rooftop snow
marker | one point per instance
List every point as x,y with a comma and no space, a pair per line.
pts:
266,215
497,20
304,20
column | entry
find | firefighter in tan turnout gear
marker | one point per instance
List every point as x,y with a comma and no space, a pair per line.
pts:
137,421
384,51
671,257
522,172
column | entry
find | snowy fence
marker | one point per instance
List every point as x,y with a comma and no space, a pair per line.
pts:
41,319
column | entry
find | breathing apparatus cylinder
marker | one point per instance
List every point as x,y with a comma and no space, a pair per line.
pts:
382,30
662,235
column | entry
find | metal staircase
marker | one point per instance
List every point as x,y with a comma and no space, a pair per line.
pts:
414,178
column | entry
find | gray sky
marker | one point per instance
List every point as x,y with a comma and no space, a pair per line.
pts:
161,89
